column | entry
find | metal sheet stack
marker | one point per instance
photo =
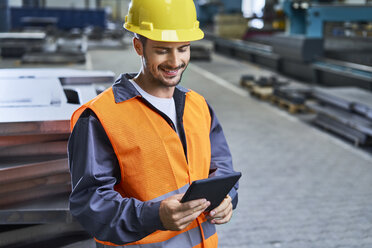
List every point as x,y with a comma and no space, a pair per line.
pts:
34,130
262,87
344,116
44,47
33,160
293,94
70,48
17,44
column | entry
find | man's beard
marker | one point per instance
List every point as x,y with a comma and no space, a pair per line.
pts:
181,67
161,82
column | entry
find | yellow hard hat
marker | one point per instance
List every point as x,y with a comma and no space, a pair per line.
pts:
164,20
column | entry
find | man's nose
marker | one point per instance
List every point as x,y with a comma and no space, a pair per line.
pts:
174,59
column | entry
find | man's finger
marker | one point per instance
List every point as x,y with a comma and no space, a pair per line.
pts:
224,205
192,204
223,212
197,208
223,220
189,218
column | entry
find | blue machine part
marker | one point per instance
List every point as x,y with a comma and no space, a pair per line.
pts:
4,16
232,6
310,21
297,23
67,18
206,13
317,15
206,10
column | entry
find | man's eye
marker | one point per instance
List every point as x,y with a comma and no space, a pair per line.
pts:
182,50
161,52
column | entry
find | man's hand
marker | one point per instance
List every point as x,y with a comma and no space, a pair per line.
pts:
176,216
222,214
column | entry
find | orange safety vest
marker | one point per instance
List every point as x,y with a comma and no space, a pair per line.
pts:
152,159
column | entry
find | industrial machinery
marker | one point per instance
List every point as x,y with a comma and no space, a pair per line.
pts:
207,9
55,35
17,44
38,47
327,44
66,18
341,32
309,17
313,50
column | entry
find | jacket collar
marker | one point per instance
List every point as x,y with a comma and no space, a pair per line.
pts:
124,90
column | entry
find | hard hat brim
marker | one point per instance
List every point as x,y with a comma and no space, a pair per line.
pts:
182,35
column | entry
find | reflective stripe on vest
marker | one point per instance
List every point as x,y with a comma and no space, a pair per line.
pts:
190,238
152,161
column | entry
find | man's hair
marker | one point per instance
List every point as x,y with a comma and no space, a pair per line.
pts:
143,39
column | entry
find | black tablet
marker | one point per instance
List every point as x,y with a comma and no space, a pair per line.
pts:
213,189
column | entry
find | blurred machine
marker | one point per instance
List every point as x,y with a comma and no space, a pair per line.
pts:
38,47
17,44
207,9
55,35
337,31
327,43
310,17
65,18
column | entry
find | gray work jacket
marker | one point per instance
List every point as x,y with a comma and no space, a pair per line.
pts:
101,210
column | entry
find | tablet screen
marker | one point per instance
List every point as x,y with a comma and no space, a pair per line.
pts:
213,189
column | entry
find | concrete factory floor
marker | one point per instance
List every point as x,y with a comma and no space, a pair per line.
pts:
301,187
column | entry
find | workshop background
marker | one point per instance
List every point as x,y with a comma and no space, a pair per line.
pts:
291,83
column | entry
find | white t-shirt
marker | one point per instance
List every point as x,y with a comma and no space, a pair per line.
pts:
165,105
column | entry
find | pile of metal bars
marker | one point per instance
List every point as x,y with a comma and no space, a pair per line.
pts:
35,116
351,120
33,160
35,110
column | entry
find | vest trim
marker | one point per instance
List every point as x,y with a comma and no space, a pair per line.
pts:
208,229
181,190
189,238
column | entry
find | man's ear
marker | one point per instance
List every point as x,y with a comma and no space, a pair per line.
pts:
137,44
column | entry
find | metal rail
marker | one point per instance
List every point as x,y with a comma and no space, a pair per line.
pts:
34,170
50,209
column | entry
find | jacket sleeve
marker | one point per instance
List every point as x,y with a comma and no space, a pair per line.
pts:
221,160
101,210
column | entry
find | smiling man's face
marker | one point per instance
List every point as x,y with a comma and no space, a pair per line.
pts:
164,62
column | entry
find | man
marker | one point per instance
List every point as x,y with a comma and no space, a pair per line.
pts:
135,148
